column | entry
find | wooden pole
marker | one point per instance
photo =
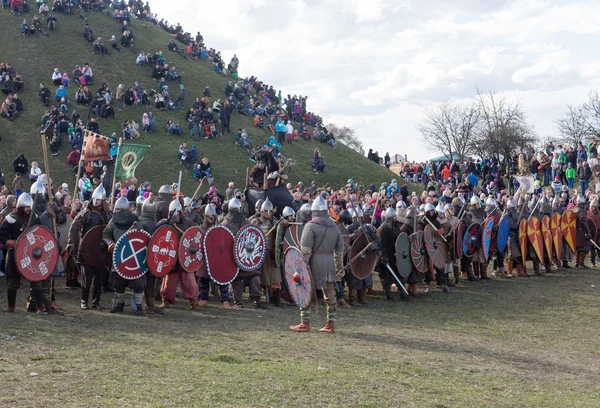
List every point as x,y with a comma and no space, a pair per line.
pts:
114,180
196,192
78,172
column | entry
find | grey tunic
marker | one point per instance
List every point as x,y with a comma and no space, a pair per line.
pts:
321,240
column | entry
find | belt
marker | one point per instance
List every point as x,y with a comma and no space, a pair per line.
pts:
322,253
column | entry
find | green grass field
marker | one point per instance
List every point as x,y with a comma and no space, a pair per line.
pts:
526,342
36,57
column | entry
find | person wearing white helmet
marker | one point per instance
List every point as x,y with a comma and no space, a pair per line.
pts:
323,248
583,233
123,220
139,202
270,272
147,222
93,213
10,230
189,286
163,199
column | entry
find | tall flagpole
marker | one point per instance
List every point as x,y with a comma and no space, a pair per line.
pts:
79,170
112,193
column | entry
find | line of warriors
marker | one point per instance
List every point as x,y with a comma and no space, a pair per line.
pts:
330,229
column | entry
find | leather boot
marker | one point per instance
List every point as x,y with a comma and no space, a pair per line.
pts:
502,274
259,304
509,267
593,261
578,259
165,304
303,327
388,293
277,297
342,302
329,327
118,308
55,306
521,271
565,264
412,290
49,309
470,276
456,272
371,292
483,271
225,305
194,305
476,270
353,297
203,303
582,262
362,297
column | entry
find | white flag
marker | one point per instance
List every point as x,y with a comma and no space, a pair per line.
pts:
526,184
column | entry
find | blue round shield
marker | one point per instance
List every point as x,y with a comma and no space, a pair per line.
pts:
129,255
503,230
486,236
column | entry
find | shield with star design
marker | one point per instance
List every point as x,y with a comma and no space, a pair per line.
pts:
129,255
534,233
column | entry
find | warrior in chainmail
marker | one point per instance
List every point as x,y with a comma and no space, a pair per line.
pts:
304,214
388,233
478,215
493,210
342,222
189,286
594,215
323,248
582,232
122,220
165,196
270,272
92,214
408,227
147,222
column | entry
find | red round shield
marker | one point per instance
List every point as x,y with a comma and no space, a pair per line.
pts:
162,250
36,253
435,247
250,248
129,255
190,253
459,234
218,251
297,277
94,250
418,252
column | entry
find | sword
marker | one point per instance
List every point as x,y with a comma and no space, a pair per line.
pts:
530,215
596,245
397,280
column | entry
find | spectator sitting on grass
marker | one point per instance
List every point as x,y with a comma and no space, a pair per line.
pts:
99,47
44,94
172,128
202,169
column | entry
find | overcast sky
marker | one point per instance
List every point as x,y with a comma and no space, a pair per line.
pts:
376,65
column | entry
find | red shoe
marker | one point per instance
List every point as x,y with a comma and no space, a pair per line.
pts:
303,327
329,327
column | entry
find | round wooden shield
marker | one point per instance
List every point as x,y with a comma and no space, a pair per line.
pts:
250,248
486,236
556,233
190,254
218,251
547,235
459,234
403,261
363,266
534,233
129,255
523,239
503,231
418,252
346,239
94,250
279,243
162,250
472,239
300,289
435,247
567,227
36,253
292,236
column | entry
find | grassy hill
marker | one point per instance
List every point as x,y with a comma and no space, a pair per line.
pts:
36,57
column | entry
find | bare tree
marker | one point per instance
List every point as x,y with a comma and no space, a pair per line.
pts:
450,128
575,125
503,129
346,136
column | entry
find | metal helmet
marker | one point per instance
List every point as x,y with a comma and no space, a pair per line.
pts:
319,204
388,213
429,207
580,200
351,212
359,211
24,200
99,194
37,188
440,208
44,180
511,204
165,189
210,211
267,205
532,203
449,209
195,205
175,205
186,201
345,217
288,212
140,200
122,204
148,205
490,204
401,204
234,204
422,208
475,200
306,208
258,205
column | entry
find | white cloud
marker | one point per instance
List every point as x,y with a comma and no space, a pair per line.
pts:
377,65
